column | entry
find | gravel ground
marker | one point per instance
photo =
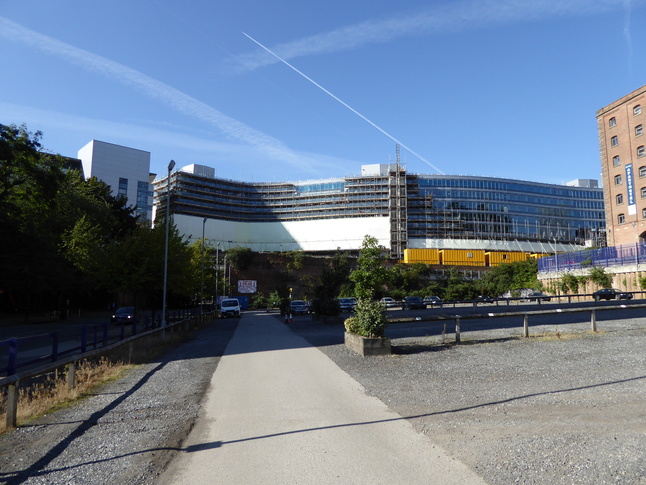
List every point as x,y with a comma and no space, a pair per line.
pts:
564,408
568,407
126,432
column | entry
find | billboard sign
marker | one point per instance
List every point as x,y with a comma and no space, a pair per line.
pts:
247,286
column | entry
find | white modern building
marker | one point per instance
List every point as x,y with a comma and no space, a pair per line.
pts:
125,170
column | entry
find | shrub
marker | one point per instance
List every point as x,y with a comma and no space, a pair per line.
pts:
369,319
351,325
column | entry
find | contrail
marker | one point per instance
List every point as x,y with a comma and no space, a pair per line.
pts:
346,105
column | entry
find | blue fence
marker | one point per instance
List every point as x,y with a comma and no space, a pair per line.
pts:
26,352
632,254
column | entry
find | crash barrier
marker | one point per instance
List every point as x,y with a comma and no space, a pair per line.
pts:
526,315
101,343
50,347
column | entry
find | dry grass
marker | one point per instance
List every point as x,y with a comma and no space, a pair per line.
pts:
53,393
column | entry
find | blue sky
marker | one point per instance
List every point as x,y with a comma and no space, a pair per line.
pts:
502,88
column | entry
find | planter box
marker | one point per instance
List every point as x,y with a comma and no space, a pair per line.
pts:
367,346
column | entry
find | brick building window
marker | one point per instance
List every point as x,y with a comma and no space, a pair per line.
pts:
643,192
620,199
639,130
615,161
614,141
612,122
640,151
642,172
637,110
621,219
617,179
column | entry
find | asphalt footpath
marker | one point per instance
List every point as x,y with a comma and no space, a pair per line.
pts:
280,411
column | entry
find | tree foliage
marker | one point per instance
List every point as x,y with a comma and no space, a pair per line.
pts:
509,277
370,273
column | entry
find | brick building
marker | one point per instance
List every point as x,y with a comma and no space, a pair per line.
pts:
623,167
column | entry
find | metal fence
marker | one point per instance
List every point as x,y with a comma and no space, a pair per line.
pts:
27,352
632,254
100,340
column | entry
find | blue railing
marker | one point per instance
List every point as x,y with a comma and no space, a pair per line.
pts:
600,257
25,352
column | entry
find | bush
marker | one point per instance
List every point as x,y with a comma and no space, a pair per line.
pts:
351,325
369,319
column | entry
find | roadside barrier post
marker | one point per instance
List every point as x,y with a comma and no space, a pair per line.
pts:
526,326
457,329
12,405
13,356
71,375
593,320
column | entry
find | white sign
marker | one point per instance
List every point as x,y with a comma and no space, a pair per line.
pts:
246,286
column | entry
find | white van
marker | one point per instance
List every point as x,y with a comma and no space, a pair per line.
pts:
230,307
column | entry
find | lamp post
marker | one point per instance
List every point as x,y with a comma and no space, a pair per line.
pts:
217,272
171,165
202,285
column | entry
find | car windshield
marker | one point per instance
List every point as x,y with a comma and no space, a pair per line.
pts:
228,303
298,303
121,311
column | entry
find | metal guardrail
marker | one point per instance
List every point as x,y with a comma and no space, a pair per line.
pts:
92,336
525,315
12,382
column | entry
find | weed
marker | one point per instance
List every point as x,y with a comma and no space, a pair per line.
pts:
53,392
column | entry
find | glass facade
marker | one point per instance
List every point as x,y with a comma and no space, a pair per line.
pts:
434,206
486,208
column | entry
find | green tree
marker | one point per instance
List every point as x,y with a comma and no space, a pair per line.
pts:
369,277
457,288
509,277
600,278
240,258
370,274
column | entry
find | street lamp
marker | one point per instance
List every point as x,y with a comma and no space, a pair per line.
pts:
202,286
217,272
171,165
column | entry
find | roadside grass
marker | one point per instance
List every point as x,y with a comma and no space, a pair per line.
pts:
50,393
53,393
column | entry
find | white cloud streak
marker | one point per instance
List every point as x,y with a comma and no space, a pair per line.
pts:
454,17
153,88
627,34
346,105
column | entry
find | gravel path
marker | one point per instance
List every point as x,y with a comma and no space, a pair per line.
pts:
551,410
128,431
536,411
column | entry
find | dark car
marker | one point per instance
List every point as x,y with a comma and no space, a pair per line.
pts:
299,307
611,294
124,314
433,301
538,296
413,303
347,304
484,299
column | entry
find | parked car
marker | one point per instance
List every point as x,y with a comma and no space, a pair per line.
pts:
347,304
484,299
388,302
611,294
538,296
413,303
433,301
298,307
230,307
124,314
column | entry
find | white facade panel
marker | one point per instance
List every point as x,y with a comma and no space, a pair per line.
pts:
319,235
109,163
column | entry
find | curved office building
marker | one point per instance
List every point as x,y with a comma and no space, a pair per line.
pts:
402,210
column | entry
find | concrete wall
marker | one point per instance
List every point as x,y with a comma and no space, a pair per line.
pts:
319,235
